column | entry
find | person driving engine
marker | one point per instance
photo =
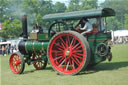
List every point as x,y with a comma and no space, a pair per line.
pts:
85,26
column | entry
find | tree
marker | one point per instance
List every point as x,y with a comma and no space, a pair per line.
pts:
4,9
11,24
89,4
11,29
59,7
36,9
74,5
126,21
120,7
113,23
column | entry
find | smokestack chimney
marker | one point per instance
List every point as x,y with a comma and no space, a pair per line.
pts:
24,26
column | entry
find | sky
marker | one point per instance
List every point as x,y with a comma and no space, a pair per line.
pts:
67,1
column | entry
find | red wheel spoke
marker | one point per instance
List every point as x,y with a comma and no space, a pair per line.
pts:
73,64
77,56
75,51
68,40
58,45
58,58
74,42
60,49
67,66
57,51
39,64
70,64
15,58
16,68
75,61
62,41
20,65
63,45
59,54
62,62
71,42
75,46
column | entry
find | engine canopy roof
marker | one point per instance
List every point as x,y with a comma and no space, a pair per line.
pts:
79,14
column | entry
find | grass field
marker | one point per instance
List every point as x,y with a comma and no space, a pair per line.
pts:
106,73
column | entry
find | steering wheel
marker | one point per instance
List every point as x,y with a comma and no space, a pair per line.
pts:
57,27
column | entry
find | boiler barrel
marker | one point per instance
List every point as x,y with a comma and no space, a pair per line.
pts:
29,47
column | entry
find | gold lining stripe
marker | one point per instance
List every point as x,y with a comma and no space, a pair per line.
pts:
33,47
25,47
43,48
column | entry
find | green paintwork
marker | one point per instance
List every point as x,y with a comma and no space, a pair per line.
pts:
44,58
36,46
94,40
42,36
45,45
79,14
29,46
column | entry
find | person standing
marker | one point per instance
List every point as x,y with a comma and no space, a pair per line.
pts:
3,50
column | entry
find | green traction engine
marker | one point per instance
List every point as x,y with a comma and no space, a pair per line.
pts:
68,50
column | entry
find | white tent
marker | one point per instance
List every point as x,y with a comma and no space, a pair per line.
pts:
120,33
2,43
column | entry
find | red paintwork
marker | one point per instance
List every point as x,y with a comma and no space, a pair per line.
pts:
67,54
15,63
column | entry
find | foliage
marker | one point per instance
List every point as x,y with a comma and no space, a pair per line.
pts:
75,5
4,9
126,21
59,7
36,9
113,23
121,8
11,29
89,4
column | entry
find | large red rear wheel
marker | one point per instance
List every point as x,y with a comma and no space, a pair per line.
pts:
68,52
17,63
39,63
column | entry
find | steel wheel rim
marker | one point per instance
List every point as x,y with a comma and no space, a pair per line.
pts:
67,53
15,63
39,65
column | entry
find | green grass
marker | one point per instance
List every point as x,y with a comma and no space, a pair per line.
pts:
106,73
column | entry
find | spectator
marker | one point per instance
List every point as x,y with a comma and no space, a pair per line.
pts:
3,50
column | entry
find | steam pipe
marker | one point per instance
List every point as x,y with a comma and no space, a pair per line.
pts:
24,26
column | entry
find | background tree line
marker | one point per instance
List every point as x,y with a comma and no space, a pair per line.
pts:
12,10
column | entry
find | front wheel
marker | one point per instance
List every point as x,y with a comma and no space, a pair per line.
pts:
17,63
68,53
39,63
